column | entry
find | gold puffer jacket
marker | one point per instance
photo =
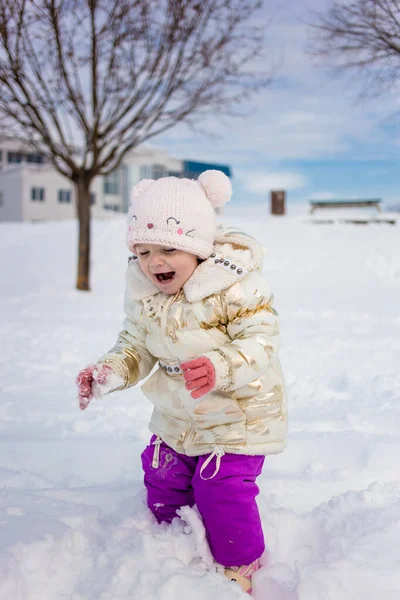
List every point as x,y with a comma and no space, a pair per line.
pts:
224,312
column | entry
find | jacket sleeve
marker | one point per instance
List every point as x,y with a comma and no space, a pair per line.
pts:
253,325
129,357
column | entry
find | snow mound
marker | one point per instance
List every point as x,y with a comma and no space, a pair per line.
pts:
73,520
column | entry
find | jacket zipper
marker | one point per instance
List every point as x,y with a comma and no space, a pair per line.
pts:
166,307
164,313
190,432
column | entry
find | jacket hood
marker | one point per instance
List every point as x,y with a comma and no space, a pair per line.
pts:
235,254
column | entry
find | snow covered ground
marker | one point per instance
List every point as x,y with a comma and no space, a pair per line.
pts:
73,522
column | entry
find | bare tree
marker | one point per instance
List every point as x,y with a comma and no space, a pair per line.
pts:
86,81
361,36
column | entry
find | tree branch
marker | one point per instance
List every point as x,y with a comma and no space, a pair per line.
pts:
362,35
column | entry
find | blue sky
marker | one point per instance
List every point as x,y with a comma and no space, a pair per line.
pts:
308,133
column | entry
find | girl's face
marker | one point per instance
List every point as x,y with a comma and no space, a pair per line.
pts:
167,268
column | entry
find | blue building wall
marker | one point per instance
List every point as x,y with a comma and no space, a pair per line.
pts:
192,169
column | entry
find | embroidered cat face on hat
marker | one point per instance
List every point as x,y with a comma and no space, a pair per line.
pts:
178,213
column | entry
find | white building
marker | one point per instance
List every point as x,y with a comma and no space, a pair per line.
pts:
32,190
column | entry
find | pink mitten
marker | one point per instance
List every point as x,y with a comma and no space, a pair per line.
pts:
88,381
199,375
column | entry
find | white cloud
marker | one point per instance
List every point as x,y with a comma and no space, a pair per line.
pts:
260,183
306,114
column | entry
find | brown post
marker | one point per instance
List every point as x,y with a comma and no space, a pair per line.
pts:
278,202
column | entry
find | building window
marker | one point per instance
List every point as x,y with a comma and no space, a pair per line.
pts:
64,196
111,183
146,172
37,193
92,198
159,171
113,207
15,157
37,159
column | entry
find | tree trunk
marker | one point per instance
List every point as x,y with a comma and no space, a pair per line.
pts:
82,188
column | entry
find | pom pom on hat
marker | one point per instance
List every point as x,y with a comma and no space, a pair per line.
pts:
137,191
217,186
140,188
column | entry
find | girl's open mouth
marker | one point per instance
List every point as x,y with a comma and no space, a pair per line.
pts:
165,277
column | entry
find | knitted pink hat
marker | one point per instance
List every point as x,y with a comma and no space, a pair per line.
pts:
178,213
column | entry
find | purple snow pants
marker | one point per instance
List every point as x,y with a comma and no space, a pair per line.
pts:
226,502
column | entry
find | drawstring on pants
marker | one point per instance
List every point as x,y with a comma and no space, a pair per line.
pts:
156,455
218,453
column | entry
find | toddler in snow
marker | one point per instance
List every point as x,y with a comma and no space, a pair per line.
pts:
197,305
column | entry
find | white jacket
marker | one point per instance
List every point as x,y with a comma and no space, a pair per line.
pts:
224,311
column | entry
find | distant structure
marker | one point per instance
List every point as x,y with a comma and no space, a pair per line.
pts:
192,169
32,190
278,198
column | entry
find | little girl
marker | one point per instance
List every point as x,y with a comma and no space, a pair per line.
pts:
197,305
